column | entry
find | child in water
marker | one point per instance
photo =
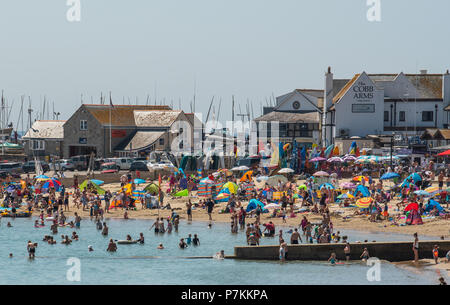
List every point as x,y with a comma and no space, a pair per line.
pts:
333,259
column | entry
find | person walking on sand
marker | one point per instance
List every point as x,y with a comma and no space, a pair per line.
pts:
210,207
189,210
415,248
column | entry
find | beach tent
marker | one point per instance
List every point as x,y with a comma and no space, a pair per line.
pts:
223,196
183,193
364,191
413,177
247,176
152,188
412,206
433,203
253,204
414,218
231,187
94,186
390,175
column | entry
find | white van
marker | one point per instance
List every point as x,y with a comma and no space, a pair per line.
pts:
122,163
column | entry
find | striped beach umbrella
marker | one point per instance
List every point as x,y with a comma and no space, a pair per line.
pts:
360,178
432,190
364,203
346,196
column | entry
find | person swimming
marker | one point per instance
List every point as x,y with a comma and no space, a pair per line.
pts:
333,259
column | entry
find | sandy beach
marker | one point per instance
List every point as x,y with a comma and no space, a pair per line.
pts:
342,218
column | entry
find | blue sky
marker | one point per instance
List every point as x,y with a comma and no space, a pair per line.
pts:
247,48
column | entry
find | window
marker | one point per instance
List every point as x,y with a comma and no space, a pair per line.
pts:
386,116
402,116
161,141
83,125
38,145
427,116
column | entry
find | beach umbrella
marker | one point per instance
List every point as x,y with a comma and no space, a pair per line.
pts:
412,206
235,169
321,174
421,193
349,158
232,187
42,178
139,181
445,153
96,181
360,178
346,196
317,159
243,168
364,203
286,171
328,186
335,159
365,161
432,190
347,185
52,183
390,175
10,188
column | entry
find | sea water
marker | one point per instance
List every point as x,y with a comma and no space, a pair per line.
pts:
145,264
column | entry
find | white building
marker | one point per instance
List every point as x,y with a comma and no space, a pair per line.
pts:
377,104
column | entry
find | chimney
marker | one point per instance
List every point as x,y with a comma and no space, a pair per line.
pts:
446,88
423,72
327,101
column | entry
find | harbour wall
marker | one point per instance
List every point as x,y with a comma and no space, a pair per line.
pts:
390,251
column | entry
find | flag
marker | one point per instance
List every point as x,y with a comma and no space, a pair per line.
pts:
328,152
352,149
303,157
336,151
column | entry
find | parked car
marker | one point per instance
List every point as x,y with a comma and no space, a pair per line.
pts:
80,162
5,174
250,162
163,164
109,167
30,167
63,164
122,163
139,165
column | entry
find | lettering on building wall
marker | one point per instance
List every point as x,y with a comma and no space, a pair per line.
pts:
363,92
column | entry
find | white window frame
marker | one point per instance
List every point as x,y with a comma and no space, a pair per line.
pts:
83,125
40,145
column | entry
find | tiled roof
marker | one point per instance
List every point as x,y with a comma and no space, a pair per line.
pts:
344,89
143,139
121,115
156,118
46,129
